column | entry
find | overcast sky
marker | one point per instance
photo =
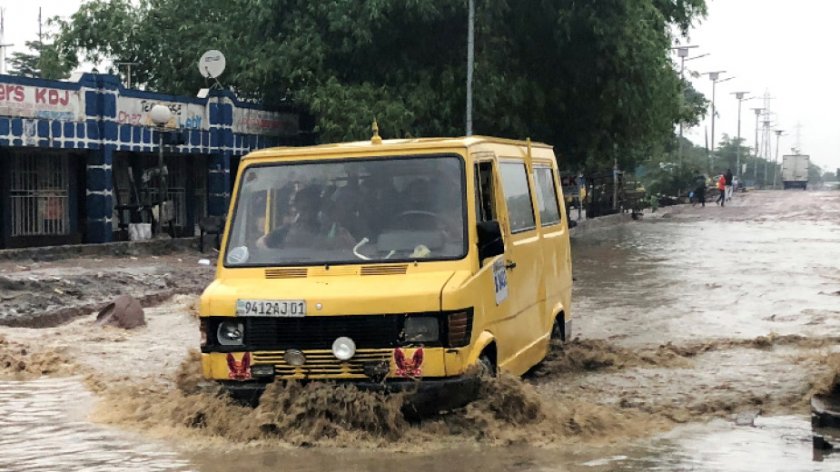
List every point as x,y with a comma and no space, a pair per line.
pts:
783,47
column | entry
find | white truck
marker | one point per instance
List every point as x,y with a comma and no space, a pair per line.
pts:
795,171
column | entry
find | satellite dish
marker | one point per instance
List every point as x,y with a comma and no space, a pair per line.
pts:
212,64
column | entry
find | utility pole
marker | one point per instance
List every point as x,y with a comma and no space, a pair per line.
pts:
128,70
3,44
40,31
470,65
776,161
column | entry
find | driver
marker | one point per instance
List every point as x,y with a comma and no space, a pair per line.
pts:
308,228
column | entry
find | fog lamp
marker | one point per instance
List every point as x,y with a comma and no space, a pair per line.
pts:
294,357
230,334
343,348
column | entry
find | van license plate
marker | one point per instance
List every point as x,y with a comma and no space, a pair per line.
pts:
281,308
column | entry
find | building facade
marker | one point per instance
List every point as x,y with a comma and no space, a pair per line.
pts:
79,161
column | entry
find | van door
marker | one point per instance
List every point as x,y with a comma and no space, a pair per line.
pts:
489,206
523,262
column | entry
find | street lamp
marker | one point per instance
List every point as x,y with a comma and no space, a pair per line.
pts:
776,161
682,53
714,76
740,96
768,143
755,167
160,116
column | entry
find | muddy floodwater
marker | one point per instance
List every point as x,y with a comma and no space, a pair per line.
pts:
701,334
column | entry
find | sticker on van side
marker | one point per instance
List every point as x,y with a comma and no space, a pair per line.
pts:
500,280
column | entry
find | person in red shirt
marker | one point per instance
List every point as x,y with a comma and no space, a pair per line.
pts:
721,186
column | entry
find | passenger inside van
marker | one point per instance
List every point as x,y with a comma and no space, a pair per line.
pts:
307,228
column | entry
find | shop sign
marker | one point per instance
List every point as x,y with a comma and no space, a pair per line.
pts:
267,123
135,111
41,102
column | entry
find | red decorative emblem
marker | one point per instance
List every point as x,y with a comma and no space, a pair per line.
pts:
239,370
408,367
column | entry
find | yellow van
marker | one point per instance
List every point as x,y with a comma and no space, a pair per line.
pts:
393,264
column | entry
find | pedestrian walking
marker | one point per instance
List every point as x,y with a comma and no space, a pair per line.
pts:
721,186
699,189
728,177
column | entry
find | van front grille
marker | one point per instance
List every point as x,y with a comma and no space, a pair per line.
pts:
322,363
319,332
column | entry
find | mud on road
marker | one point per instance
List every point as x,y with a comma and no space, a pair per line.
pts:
696,326
47,293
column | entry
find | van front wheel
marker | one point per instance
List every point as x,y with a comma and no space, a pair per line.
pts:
486,367
557,334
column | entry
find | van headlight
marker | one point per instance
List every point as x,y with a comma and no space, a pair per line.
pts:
421,329
230,333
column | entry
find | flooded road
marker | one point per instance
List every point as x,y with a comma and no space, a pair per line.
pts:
701,332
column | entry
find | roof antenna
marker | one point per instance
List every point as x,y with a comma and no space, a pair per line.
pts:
375,139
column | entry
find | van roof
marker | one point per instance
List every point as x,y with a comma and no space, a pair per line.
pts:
388,144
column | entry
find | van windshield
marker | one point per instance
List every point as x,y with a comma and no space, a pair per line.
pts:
360,210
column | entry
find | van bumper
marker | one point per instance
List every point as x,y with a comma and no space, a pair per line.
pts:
431,395
424,397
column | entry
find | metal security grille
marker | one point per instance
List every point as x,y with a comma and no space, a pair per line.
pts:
176,191
39,195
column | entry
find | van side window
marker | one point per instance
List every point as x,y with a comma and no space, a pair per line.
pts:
546,196
485,193
517,196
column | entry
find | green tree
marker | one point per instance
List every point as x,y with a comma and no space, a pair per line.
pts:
726,154
815,174
592,77
45,61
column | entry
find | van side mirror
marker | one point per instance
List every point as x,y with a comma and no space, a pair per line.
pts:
572,223
490,242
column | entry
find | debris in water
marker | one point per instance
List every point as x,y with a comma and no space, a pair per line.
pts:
124,312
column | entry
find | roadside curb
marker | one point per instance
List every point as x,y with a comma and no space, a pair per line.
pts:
600,222
123,248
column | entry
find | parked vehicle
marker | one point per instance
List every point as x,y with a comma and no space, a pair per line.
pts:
795,171
397,264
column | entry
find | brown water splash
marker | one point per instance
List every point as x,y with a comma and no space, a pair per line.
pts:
590,355
828,381
19,361
508,411
581,356
306,414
